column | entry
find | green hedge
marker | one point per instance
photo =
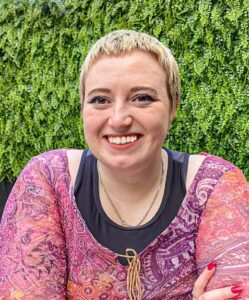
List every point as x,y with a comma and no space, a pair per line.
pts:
43,44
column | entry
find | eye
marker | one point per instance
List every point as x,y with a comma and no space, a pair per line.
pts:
99,100
143,98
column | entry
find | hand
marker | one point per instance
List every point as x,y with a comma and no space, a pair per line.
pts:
230,292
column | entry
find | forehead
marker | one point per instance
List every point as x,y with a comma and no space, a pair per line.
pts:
136,66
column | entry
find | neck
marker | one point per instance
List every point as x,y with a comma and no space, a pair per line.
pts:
133,198
133,185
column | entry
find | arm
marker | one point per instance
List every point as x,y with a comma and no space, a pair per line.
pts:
32,249
223,234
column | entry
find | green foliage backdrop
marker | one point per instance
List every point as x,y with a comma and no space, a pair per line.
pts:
43,44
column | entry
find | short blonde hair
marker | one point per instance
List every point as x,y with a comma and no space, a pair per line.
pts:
124,41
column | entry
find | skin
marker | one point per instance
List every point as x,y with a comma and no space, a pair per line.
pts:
125,86
218,294
127,96
124,97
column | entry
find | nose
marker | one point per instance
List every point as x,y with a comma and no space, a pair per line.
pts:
120,118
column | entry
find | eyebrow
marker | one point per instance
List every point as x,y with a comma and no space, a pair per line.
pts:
146,88
99,90
134,89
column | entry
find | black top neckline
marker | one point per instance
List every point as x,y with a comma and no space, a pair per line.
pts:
157,214
118,238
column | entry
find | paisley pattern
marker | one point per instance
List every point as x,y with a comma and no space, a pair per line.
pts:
225,226
47,251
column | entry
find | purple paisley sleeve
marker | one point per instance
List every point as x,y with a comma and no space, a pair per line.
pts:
223,234
32,247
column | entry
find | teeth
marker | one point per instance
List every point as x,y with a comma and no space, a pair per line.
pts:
122,140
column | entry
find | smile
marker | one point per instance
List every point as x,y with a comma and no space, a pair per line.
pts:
121,140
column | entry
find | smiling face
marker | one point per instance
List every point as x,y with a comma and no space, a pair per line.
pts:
126,110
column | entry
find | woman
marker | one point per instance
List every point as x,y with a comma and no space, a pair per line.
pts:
126,219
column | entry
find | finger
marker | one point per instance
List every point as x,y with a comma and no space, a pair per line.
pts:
222,293
202,281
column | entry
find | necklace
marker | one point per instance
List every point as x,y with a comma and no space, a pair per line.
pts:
122,221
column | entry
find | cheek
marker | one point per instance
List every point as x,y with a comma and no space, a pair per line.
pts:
86,129
159,123
163,130
92,124
88,124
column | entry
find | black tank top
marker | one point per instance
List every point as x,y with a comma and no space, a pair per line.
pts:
114,236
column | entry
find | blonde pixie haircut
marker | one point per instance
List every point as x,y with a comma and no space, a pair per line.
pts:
124,41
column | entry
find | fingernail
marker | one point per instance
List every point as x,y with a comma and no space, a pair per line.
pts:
236,289
238,298
211,266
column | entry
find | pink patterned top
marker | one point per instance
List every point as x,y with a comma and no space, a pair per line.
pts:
47,251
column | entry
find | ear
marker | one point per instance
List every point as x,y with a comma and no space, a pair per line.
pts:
174,109
172,116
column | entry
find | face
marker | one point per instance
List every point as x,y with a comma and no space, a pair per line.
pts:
126,110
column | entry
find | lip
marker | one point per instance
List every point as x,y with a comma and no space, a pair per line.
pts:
125,134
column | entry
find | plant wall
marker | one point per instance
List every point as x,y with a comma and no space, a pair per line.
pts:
43,44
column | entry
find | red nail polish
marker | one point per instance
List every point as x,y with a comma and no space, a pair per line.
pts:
211,266
236,289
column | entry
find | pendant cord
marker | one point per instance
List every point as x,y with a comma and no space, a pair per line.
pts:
123,222
134,288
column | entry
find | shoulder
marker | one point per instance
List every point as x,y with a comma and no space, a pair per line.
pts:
207,165
74,155
48,161
52,155
74,158
53,163
229,181
218,161
232,177
211,160
57,162
58,156
195,162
